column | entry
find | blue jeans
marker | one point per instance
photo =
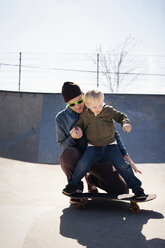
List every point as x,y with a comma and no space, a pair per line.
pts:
110,153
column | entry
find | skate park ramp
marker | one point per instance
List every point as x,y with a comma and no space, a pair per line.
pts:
28,130
35,214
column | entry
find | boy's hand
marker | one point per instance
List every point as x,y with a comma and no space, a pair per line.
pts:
127,128
76,133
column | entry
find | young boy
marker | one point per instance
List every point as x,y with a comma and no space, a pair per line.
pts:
97,123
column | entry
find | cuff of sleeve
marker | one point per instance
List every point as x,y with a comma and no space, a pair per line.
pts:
124,152
125,122
71,141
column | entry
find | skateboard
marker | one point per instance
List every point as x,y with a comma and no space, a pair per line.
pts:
81,199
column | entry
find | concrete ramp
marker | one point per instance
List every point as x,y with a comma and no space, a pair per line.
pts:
28,132
34,213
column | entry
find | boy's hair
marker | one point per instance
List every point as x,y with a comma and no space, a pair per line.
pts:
93,95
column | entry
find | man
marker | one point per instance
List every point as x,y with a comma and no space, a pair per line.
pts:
101,175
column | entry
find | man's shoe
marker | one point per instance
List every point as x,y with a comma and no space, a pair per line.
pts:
69,189
93,189
139,193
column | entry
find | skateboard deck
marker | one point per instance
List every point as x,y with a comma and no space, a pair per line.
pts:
84,197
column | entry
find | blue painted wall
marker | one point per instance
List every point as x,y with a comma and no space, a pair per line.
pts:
28,132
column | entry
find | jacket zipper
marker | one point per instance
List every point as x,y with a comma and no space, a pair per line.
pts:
98,140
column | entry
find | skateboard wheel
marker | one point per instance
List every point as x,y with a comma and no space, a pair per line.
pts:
134,208
82,204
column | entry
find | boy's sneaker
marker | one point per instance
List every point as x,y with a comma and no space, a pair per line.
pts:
69,189
80,187
139,193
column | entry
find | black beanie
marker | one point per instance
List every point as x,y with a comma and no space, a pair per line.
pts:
70,90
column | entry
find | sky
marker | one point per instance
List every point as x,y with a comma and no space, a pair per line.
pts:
73,29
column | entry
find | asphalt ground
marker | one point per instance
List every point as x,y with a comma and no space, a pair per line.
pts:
34,213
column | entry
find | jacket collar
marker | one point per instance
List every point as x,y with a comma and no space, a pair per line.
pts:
104,105
69,110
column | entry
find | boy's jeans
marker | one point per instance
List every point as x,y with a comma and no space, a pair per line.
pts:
109,153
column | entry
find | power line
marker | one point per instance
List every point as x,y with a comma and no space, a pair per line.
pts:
85,71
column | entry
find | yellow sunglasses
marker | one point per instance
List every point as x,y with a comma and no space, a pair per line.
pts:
77,102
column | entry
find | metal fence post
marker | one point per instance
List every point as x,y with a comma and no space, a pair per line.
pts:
97,70
19,82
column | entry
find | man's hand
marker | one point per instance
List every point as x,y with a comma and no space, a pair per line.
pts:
135,168
129,160
76,133
127,128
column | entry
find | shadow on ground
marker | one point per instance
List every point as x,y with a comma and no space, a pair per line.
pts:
103,225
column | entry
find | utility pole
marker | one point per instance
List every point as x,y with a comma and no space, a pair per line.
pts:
19,82
97,70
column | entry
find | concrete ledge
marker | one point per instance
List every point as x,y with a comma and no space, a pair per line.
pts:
28,131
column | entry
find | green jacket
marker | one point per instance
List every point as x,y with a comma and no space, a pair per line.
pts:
100,130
